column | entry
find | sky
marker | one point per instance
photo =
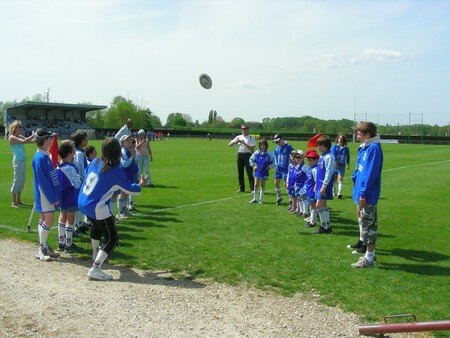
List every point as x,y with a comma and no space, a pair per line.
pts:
384,61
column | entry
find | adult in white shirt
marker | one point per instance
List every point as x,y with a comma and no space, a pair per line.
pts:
125,130
245,145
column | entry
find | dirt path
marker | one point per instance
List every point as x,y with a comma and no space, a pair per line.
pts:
49,299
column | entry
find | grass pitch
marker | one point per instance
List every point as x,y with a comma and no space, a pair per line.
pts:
194,223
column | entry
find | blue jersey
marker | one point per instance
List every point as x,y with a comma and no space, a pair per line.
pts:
70,182
282,155
46,184
263,162
80,161
290,180
341,154
98,188
325,171
311,181
129,166
367,175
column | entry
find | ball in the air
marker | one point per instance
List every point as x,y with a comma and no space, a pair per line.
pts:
205,81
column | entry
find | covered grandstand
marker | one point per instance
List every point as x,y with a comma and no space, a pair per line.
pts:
61,118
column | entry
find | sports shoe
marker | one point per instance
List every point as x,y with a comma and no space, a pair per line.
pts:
52,253
278,200
358,251
363,263
322,230
127,213
310,225
43,254
71,249
61,246
98,274
120,216
340,196
357,245
253,201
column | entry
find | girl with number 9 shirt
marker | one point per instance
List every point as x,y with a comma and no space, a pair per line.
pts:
103,177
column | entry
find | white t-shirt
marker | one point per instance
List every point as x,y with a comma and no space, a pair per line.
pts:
249,139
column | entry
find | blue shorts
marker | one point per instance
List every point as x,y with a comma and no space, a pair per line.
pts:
69,209
281,173
260,177
328,193
340,169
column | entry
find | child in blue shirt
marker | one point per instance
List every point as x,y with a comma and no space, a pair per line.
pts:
46,192
342,157
313,158
261,160
128,166
70,182
324,183
104,177
281,153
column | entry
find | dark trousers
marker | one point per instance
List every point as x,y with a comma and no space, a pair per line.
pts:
107,229
243,162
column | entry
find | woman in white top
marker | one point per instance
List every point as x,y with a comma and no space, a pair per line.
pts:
16,142
144,156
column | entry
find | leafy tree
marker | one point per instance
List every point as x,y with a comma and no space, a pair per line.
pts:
236,122
176,120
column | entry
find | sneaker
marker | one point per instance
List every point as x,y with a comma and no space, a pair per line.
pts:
52,253
61,246
278,200
340,196
14,205
253,201
260,202
120,216
130,207
127,213
322,230
363,263
357,245
310,225
98,274
87,225
359,251
43,254
71,249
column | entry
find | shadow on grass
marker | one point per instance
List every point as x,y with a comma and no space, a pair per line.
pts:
419,269
416,255
162,186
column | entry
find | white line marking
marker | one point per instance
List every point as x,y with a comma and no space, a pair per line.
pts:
7,227
415,165
192,205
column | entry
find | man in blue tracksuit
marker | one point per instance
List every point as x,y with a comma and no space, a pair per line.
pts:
366,190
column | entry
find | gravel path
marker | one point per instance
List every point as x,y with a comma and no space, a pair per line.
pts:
50,299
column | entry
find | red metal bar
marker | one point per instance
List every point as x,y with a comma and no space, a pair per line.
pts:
440,325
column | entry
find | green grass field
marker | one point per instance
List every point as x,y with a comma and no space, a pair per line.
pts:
194,224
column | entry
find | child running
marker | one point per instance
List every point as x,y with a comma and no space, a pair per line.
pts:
342,156
104,177
324,183
46,192
261,160
70,182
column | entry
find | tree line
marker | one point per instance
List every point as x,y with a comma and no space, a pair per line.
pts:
122,108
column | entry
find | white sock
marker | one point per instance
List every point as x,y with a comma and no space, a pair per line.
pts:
255,194
61,233
324,215
313,216
261,194
101,257
339,188
131,200
69,234
305,207
370,255
95,243
278,191
121,204
40,227
300,207
44,235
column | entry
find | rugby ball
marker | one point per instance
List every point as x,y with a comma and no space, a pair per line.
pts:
205,81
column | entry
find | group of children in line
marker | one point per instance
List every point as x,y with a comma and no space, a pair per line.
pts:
308,185
83,185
